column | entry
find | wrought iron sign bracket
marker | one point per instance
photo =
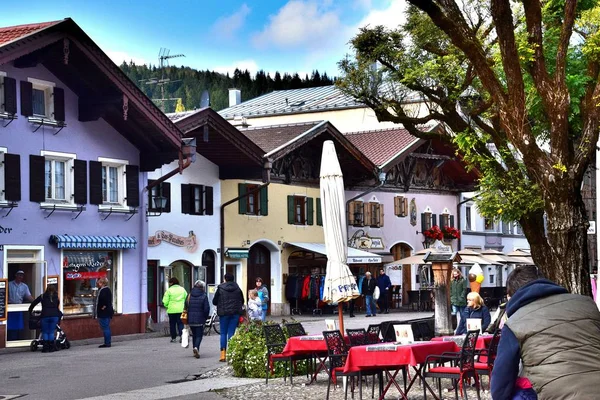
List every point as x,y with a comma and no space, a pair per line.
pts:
10,205
80,208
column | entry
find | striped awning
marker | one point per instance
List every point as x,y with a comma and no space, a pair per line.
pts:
93,242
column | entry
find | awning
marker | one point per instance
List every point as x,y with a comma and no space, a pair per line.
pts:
237,253
93,242
355,256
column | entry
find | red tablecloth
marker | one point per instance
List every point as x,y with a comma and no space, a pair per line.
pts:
363,358
483,341
308,344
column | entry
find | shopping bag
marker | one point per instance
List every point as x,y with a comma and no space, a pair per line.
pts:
376,293
185,338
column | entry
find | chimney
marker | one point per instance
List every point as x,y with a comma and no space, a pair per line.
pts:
235,97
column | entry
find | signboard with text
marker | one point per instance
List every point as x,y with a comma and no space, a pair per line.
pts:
3,299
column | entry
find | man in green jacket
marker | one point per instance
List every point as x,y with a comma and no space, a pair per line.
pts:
174,301
458,294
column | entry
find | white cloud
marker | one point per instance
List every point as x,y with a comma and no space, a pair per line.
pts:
242,65
300,24
119,56
390,17
363,4
227,27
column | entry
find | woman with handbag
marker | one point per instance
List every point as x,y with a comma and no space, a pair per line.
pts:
50,316
174,301
198,310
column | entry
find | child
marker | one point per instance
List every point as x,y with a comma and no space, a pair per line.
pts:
254,306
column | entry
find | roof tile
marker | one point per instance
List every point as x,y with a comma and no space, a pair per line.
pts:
271,137
11,33
382,145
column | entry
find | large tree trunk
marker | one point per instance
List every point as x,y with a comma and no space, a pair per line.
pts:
443,317
560,250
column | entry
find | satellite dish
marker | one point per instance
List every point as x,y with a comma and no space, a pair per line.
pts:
204,99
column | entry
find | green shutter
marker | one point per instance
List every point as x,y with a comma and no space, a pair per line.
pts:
452,221
442,222
319,215
423,223
433,219
309,210
290,207
264,200
242,203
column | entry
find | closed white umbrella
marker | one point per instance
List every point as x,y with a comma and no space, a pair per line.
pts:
340,285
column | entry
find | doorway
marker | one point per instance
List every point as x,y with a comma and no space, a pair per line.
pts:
208,261
259,265
152,288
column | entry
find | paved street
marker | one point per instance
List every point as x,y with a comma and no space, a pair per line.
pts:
141,366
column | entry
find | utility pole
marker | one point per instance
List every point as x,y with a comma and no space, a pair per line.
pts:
163,61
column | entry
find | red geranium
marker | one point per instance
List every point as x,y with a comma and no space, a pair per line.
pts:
434,233
451,233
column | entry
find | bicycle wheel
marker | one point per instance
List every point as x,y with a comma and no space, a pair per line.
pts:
217,325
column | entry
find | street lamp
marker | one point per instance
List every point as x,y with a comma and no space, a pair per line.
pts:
159,203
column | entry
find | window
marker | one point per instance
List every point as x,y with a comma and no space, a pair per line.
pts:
300,210
444,221
428,220
468,225
356,213
256,202
488,224
114,183
374,215
157,194
41,98
197,199
519,229
57,178
491,278
400,206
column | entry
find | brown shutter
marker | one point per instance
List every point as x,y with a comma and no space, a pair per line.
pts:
381,215
185,199
95,182
26,99
59,104
166,192
10,95
404,207
36,178
132,182
80,184
367,214
351,213
12,177
397,207
209,198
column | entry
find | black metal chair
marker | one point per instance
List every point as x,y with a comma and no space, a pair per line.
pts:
373,333
294,329
357,337
486,357
275,341
337,352
462,371
387,330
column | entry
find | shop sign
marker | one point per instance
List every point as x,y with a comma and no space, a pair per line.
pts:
5,230
364,260
190,243
84,275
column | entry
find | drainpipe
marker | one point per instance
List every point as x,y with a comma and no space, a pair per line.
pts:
381,175
267,179
458,218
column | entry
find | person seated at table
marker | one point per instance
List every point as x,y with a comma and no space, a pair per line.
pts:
475,309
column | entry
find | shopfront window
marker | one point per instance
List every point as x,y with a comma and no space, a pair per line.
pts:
81,270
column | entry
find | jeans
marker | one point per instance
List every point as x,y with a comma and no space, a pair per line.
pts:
264,315
370,303
197,332
175,325
458,311
229,324
48,327
105,326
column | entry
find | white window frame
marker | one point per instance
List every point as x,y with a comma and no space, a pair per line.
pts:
469,218
122,187
69,160
2,108
48,88
3,151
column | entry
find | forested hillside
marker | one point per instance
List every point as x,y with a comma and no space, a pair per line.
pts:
187,84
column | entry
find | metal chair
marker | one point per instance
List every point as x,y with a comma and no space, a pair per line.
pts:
294,329
373,333
462,372
357,337
486,357
275,341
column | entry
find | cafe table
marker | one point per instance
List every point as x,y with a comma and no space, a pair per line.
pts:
483,341
392,357
308,345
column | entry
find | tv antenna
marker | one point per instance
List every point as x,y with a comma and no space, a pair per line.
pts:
163,59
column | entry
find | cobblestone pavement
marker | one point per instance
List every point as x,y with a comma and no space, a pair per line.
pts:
277,389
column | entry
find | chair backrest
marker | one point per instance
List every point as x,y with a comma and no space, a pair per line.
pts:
373,333
336,348
387,330
426,329
466,361
294,329
493,349
358,337
274,338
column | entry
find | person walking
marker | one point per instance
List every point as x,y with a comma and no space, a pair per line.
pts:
368,288
554,333
459,288
229,300
384,283
198,310
263,294
475,309
174,301
50,316
103,310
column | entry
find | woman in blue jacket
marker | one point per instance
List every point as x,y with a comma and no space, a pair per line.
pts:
475,309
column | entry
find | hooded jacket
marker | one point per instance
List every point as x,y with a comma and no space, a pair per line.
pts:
557,336
229,299
482,313
174,299
197,307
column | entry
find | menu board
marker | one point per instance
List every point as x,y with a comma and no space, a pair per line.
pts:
3,299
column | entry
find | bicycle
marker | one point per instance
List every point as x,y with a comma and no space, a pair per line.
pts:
212,322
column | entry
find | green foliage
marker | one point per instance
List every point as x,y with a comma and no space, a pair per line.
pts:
247,353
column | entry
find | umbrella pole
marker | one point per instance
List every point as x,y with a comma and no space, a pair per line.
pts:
341,317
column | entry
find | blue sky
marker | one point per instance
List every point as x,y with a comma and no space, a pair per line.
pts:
273,35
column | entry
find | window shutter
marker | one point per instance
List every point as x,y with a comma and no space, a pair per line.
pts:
95,182
442,222
263,195
423,222
80,181
12,177
59,105
185,199
366,213
433,219
26,99
166,192
243,202
209,200
309,210
452,221
290,204
351,207
380,222
405,207
132,180
319,215
36,178
10,95
397,209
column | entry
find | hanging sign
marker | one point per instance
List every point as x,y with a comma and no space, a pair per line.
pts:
189,243
3,299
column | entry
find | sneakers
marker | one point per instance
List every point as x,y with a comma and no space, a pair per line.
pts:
196,354
102,346
179,339
368,315
173,340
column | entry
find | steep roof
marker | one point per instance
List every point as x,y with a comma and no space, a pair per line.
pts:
10,33
383,145
272,137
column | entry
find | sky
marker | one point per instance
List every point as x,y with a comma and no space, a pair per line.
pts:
272,35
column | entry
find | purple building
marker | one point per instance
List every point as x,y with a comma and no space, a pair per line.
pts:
76,140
